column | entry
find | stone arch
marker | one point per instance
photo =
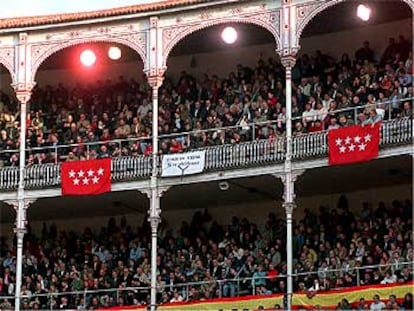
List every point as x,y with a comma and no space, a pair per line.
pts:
306,13
41,53
174,35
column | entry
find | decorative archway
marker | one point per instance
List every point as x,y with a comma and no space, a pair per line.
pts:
174,34
307,12
7,59
135,41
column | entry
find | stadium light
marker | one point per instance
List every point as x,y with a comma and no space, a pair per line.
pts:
88,58
229,35
114,53
363,12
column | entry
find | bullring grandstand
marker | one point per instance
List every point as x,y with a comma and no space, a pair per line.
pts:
208,155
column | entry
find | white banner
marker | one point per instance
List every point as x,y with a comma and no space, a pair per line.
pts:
179,164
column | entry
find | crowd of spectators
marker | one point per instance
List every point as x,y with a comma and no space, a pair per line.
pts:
119,110
332,248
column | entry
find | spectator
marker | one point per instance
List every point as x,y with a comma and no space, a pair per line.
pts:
377,304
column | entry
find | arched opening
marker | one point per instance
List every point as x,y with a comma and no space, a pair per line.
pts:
213,83
77,104
66,66
9,119
200,51
388,18
348,65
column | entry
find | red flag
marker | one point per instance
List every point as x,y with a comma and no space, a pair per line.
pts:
353,144
86,177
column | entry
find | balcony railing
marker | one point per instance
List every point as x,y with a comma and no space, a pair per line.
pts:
247,154
240,286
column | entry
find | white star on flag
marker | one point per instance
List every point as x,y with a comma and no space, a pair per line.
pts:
72,174
367,138
85,181
95,180
362,147
338,141
90,173
347,140
342,149
351,147
101,171
81,173
76,182
357,139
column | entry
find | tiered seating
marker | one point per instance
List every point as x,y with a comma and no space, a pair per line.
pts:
327,94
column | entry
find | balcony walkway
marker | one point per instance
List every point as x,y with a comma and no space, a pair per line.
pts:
246,159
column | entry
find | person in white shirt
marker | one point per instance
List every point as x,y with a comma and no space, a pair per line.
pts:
389,278
377,304
177,297
308,115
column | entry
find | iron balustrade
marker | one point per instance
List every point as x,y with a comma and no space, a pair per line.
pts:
244,286
48,175
219,157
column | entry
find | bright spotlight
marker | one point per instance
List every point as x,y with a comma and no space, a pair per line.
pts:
88,58
114,53
229,35
363,12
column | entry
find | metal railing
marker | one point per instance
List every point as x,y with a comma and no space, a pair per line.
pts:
228,156
235,287
48,175
87,149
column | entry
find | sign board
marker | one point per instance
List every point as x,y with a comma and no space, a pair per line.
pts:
179,164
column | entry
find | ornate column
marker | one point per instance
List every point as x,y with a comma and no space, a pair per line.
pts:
155,192
288,178
155,72
287,53
20,206
23,89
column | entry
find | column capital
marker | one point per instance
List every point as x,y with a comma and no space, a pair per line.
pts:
23,91
288,60
15,203
294,175
155,77
289,207
154,222
160,191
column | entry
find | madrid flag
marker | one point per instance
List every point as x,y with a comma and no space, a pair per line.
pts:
86,177
353,144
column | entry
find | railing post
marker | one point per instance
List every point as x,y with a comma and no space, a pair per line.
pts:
253,132
358,277
84,296
220,283
117,295
87,152
355,116
389,111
